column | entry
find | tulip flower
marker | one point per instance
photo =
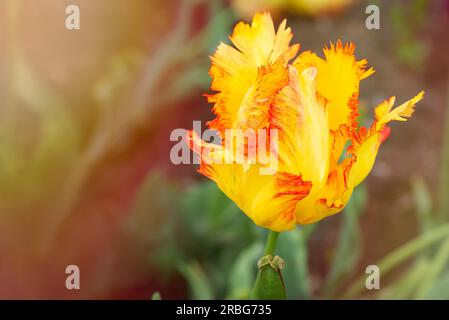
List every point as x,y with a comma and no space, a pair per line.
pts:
307,106
311,103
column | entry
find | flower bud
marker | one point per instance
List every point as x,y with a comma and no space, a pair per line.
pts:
269,284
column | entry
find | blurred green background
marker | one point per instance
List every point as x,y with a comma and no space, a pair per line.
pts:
86,178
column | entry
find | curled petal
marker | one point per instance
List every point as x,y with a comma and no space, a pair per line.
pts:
300,117
384,114
364,154
367,142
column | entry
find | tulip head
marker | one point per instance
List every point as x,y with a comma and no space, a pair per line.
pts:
311,104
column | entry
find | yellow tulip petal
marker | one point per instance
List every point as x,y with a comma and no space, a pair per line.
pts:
269,200
304,142
401,113
260,43
365,154
367,142
250,73
327,199
338,79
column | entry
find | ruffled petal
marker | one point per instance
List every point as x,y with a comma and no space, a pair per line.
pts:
247,77
260,43
339,75
367,142
384,114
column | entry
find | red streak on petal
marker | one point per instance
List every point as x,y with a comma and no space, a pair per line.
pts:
384,134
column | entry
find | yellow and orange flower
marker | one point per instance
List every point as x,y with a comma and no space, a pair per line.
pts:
313,104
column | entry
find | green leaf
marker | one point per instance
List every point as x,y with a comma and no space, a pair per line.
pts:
292,247
212,221
347,251
405,286
42,152
243,272
60,136
121,69
200,288
437,265
443,189
403,253
423,204
440,289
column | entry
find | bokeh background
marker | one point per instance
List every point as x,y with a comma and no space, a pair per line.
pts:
86,177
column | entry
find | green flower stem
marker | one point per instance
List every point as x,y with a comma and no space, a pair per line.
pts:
271,242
